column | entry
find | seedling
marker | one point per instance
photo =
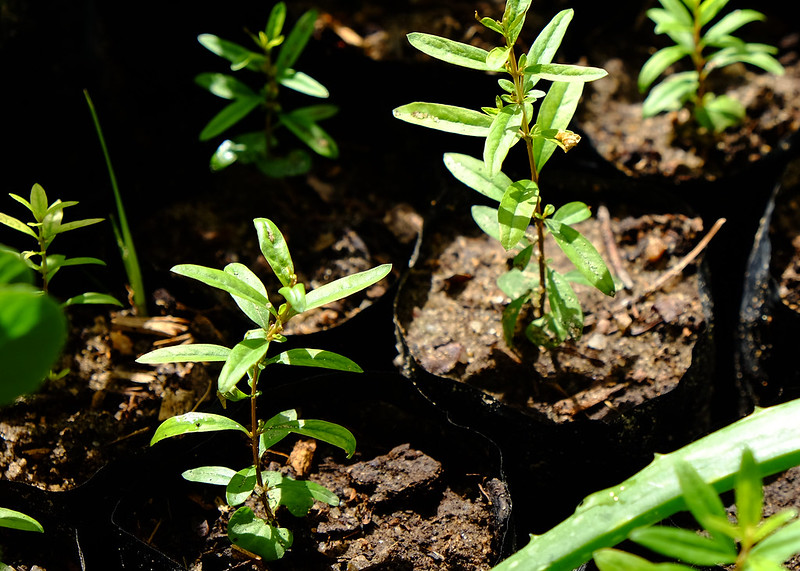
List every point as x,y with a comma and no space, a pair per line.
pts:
683,21
557,312
261,534
122,232
273,61
48,223
750,544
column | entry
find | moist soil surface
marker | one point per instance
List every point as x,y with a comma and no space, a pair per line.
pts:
634,347
396,512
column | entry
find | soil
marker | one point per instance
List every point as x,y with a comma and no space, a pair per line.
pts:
450,309
396,511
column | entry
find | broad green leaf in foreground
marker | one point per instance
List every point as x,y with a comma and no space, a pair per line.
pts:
195,352
315,358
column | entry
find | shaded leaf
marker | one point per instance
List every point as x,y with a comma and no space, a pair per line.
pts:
249,532
231,114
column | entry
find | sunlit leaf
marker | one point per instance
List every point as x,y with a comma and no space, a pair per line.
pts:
684,545
341,288
259,314
516,209
193,422
503,134
474,174
555,112
245,355
195,352
583,255
17,520
448,50
315,358
222,280
214,475
448,118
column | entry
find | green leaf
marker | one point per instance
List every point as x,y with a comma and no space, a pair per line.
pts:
658,63
317,139
750,55
497,58
277,17
779,546
615,560
214,475
321,430
196,352
572,213
92,298
12,269
18,225
565,308
555,112
298,496
245,355
450,51
302,83
701,498
606,517
249,532
33,329
275,430
709,9
717,113
224,86
474,174
774,522
38,203
731,22
77,224
241,486
516,209
295,296
221,280
229,116
503,134
315,358
486,219
276,251
296,41
684,545
239,56
17,520
192,422
546,45
448,118
564,72
259,314
341,288
749,494
670,94
583,254
510,315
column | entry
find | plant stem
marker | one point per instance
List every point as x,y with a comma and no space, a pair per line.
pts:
519,84
254,437
697,57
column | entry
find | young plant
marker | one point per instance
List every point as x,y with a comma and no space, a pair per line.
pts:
557,312
122,232
750,544
606,517
273,60
683,21
48,223
258,531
